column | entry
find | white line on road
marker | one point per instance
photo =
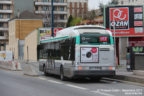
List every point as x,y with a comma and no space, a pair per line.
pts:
102,93
82,88
52,81
42,78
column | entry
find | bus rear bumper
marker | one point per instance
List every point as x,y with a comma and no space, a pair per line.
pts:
94,73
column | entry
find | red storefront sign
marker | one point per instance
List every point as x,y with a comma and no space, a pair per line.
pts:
119,18
125,20
138,9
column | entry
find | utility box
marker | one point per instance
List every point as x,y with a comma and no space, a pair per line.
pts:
135,58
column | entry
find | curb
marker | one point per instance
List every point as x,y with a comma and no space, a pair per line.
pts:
129,78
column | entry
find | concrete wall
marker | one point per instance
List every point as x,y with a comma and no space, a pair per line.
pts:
30,47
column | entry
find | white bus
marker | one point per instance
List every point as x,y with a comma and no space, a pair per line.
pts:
78,52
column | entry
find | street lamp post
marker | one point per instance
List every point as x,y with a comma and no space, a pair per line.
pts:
52,18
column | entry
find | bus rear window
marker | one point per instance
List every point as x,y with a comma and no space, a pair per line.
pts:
95,38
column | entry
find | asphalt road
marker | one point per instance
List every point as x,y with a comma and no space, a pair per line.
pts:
15,84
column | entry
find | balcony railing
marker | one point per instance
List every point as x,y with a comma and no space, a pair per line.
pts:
4,20
61,21
49,3
3,37
6,11
6,2
55,12
3,29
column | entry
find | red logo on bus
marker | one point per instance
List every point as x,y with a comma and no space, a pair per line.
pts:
94,50
103,39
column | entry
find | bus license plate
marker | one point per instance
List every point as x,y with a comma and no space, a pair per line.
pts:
95,68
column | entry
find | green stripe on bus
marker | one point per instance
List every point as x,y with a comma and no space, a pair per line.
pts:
111,40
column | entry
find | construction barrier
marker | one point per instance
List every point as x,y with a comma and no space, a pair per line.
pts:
11,65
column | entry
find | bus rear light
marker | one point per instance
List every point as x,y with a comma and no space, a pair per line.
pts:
111,68
80,68
108,68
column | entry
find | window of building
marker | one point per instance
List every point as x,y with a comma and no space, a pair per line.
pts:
1,33
1,16
55,8
62,17
45,8
8,7
62,8
36,8
45,0
61,1
1,24
8,16
122,2
56,1
1,7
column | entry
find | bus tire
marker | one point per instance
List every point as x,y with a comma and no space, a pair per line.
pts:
45,73
62,74
97,79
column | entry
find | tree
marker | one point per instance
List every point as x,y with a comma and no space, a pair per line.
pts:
75,21
69,20
92,15
101,7
114,2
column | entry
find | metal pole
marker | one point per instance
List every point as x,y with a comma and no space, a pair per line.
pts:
52,18
114,37
104,16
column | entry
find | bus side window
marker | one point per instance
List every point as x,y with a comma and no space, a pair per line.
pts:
57,51
72,57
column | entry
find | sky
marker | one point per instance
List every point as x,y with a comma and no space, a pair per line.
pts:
94,4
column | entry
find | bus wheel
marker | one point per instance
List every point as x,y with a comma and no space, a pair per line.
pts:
97,79
45,73
62,74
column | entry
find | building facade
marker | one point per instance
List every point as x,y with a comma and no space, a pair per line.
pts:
43,7
18,30
77,8
130,2
6,13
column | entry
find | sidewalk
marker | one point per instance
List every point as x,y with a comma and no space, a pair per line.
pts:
123,74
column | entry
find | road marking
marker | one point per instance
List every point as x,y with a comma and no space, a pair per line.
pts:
42,78
102,93
52,81
82,88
